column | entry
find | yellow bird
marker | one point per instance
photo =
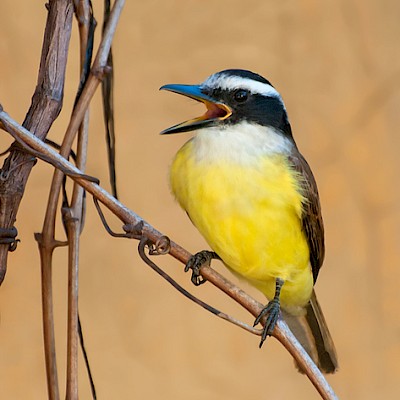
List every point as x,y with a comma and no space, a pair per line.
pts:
252,195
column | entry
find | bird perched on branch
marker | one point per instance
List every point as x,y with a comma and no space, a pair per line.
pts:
251,194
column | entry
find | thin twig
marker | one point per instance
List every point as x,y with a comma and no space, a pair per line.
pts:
85,357
281,331
76,212
96,73
107,89
73,217
47,238
141,248
48,321
72,225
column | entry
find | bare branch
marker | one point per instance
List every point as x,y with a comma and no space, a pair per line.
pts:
78,122
74,214
96,74
73,225
45,107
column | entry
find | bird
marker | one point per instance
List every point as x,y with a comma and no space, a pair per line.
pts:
251,194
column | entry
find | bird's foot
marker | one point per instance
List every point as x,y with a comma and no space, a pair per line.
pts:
272,309
196,262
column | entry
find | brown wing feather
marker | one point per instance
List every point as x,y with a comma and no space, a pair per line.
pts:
311,219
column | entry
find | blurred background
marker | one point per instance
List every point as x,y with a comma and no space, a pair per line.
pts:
337,66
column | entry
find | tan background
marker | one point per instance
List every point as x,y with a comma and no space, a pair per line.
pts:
337,65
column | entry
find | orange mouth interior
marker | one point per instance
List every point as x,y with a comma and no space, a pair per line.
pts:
215,111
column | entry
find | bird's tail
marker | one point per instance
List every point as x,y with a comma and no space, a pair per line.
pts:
312,332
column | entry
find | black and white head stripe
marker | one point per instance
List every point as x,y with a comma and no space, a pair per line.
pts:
250,97
233,79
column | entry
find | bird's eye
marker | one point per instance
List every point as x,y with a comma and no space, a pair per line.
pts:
241,95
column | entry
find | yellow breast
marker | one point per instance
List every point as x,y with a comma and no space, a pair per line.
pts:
248,208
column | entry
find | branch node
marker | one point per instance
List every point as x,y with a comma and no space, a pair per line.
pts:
101,72
67,215
8,236
53,243
134,231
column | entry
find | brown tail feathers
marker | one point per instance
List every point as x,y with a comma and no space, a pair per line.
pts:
312,332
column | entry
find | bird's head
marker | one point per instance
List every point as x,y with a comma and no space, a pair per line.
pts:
232,96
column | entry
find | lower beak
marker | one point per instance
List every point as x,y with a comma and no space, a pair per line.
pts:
216,111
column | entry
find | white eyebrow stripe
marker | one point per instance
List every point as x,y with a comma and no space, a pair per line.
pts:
236,82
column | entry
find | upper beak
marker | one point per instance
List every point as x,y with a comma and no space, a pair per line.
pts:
216,111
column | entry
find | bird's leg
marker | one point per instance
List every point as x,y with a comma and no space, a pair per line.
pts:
197,261
272,309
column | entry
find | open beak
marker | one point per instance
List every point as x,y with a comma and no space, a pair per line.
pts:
216,111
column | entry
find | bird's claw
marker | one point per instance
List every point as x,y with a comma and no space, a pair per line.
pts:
272,309
196,262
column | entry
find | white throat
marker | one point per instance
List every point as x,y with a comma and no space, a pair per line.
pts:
242,143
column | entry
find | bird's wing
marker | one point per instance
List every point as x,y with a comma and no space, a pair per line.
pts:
311,218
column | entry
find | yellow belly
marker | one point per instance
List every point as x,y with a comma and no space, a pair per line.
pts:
250,215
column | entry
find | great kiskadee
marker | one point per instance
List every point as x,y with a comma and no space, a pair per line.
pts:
252,195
